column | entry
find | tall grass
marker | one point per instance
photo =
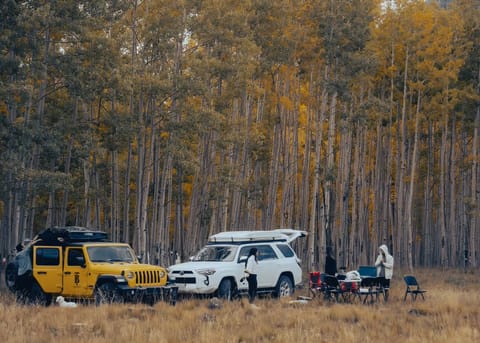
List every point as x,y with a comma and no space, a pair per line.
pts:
450,313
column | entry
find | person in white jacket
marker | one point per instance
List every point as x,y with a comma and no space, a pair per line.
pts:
384,264
251,271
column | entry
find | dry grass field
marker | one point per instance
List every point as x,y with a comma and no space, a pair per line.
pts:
451,313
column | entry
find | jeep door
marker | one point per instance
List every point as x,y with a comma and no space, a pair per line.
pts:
75,273
47,268
267,269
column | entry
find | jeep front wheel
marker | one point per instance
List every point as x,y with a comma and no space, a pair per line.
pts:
284,287
106,293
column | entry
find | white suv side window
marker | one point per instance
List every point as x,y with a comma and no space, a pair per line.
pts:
286,250
265,252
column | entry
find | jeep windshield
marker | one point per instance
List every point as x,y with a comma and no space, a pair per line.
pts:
111,254
216,253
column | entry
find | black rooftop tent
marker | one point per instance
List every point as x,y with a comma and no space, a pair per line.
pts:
70,234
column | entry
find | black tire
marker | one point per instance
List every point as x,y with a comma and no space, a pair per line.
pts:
38,297
106,293
284,287
11,276
225,290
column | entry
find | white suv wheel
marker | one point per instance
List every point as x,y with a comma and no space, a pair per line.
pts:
284,287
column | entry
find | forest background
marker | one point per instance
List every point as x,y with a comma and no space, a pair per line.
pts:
162,122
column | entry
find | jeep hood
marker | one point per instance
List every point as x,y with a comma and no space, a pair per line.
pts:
119,267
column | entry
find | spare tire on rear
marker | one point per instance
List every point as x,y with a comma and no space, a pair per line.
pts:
11,276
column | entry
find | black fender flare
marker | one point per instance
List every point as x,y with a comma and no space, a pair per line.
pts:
117,280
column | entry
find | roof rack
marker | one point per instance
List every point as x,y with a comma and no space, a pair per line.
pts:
70,234
247,236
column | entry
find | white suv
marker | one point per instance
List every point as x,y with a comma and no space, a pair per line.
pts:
218,268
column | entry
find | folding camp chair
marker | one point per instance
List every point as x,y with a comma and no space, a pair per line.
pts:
413,288
316,283
367,271
369,289
333,291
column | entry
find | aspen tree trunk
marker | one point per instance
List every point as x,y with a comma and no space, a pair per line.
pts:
139,181
294,187
237,219
453,229
475,215
389,213
97,193
401,170
355,244
329,202
86,191
364,199
441,195
290,165
68,160
313,237
133,59
149,152
115,206
253,197
268,219
409,205
429,254
126,199
304,194
342,234
463,202
162,237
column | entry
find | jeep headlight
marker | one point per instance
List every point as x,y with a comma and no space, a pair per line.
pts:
206,272
128,275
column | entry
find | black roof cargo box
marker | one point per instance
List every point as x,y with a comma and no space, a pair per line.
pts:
70,234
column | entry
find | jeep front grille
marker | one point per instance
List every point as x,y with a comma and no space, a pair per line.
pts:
148,276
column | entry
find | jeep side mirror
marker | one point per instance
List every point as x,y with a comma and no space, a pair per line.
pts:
139,257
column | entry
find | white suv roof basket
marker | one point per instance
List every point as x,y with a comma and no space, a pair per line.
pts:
285,235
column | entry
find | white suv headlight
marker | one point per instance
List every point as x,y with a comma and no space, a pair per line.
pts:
206,272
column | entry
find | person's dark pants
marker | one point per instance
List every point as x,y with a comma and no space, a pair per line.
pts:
23,286
252,287
385,284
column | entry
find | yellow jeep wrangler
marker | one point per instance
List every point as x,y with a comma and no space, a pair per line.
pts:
82,264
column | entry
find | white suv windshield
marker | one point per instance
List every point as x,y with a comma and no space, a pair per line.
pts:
216,253
110,254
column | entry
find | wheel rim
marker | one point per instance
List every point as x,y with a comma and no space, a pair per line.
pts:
285,289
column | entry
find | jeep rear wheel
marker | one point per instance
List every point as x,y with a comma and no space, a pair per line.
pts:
38,297
284,287
106,293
